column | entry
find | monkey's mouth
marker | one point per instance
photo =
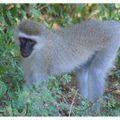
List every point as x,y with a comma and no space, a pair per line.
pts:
25,54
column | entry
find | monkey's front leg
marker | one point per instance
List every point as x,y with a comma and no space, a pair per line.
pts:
37,77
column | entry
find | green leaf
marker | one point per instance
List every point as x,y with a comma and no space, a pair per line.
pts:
79,7
1,19
3,88
36,13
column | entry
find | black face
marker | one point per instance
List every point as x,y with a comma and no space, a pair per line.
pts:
26,46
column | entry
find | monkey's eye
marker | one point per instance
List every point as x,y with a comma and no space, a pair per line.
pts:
22,40
26,40
31,42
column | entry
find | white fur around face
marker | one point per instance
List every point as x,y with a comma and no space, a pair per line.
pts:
40,39
33,37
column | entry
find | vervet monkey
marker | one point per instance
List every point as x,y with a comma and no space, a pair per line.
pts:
89,48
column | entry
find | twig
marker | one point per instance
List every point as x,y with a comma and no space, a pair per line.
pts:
43,7
73,101
28,12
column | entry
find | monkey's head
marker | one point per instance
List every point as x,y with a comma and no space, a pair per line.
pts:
29,36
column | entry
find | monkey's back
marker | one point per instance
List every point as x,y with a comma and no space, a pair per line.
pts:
92,32
74,45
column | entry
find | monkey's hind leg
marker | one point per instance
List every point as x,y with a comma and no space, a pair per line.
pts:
91,77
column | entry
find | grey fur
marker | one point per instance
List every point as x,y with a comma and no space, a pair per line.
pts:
29,27
88,47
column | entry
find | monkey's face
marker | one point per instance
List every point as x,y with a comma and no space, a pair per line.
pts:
26,46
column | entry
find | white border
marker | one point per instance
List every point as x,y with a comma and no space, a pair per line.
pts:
59,1
59,118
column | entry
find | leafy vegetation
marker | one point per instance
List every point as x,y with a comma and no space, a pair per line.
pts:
61,98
